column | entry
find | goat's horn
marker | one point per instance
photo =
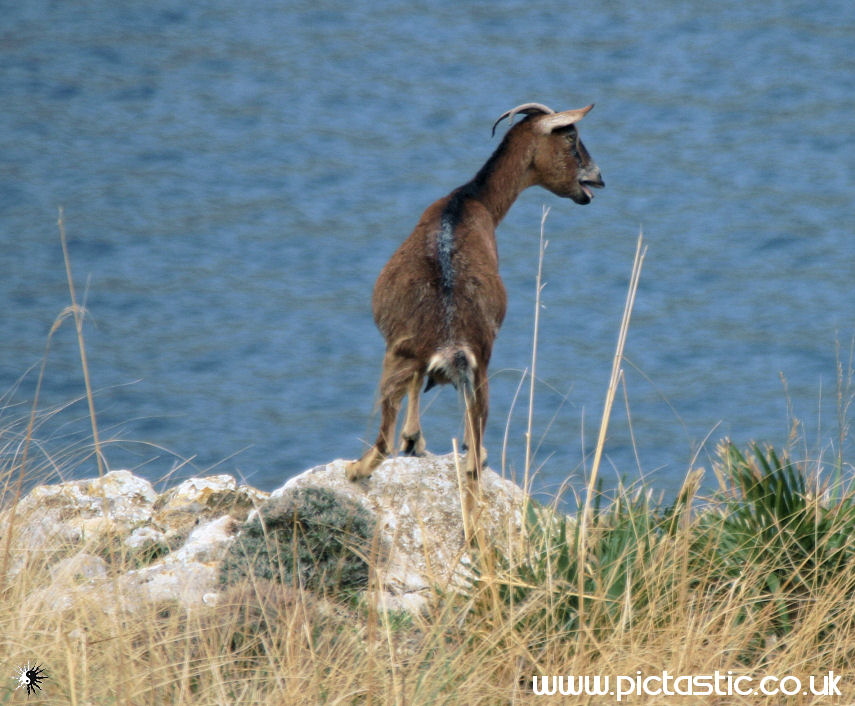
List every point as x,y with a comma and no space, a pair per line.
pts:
527,108
562,119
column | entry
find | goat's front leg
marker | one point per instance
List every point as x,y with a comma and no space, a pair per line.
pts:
412,440
393,385
382,448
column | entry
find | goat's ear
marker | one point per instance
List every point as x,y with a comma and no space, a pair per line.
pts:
549,123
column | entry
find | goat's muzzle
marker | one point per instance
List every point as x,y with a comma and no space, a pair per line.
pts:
588,184
589,179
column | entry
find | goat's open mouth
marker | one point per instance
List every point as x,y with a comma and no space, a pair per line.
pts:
588,185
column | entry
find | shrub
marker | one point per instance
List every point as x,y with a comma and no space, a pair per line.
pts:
311,538
627,541
797,540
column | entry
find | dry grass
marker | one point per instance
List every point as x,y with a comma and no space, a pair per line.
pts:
655,600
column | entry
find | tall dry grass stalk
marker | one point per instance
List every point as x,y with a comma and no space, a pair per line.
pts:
614,382
539,285
78,314
16,474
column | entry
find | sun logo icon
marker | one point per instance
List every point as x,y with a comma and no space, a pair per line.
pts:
30,677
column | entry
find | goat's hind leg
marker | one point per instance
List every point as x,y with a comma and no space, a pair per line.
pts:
412,439
397,372
476,402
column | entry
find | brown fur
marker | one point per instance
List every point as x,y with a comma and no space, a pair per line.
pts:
439,301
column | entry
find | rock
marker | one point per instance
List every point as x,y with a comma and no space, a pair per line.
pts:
191,584
145,537
68,535
80,512
75,536
206,543
70,577
85,515
78,568
416,502
188,574
198,499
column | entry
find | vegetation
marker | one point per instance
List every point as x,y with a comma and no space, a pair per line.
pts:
311,538
763,568
756,579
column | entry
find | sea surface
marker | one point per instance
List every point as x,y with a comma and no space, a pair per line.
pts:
232,177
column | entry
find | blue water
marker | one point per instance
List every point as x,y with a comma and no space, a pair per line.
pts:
234,175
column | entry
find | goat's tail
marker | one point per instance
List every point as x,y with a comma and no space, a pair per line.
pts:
455,365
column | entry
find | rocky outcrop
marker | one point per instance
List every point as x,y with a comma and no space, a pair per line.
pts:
416,503
73,537
117,540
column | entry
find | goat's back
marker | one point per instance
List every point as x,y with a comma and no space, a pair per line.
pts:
442,286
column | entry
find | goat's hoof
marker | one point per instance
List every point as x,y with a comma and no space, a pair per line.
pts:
363,468
413,444
465,449
354,470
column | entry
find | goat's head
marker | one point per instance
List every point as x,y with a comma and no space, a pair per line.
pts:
560,161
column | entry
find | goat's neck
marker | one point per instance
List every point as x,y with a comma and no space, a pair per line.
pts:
502,178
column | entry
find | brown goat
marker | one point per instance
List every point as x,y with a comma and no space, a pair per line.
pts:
439,301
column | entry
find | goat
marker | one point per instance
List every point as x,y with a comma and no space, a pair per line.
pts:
439,301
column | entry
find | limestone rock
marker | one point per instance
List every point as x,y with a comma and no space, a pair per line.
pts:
145,537
81,511
81,567
74,537
417,505
198,499
191,584
206,543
